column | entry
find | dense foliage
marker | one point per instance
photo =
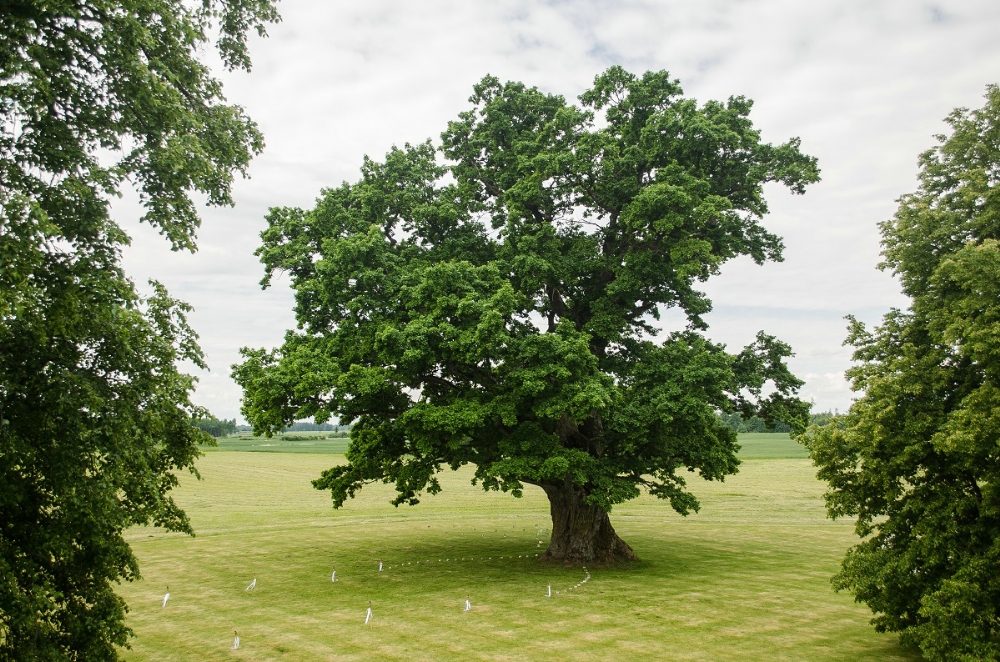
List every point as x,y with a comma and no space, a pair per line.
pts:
917,459
497,308
95,418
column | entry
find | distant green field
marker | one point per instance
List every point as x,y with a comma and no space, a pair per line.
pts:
755,446
747,578
769,446
293,442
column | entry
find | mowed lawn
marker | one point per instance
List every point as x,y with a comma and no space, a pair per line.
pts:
747,578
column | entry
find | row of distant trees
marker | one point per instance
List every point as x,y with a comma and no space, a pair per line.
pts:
755,424
303,426
215,426
223,427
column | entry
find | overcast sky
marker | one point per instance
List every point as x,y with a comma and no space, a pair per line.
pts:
865,84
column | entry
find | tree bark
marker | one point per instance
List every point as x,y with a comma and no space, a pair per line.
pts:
581,533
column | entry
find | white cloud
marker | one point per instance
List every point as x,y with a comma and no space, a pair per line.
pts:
865,84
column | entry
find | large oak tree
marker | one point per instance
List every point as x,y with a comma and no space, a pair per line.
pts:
95,417
493,301
917,458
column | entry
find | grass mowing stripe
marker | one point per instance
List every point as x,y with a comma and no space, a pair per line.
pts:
745,579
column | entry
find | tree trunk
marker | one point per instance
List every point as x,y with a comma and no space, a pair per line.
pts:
581,534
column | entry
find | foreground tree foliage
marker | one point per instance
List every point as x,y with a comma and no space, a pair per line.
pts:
497,308
917,459
95,418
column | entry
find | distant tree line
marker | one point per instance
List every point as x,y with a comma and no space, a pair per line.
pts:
303,426
215,426
755,424
221,428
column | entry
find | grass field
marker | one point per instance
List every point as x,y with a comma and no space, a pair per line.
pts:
297,442
764,446
745,579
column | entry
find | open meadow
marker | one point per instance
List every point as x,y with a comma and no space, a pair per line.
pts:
747,578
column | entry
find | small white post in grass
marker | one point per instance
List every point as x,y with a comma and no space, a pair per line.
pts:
166,596
368,614
549,594
252,585
468,603
236,640
333,576
380,566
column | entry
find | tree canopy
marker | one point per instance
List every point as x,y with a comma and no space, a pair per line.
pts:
492,300
916,458
95,417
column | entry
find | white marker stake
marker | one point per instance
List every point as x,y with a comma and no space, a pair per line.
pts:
368,614
252,585
333,576
236,640
380,566
166,597
549,594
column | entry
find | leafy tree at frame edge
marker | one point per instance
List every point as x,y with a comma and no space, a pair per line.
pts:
95,418
498,309
917,458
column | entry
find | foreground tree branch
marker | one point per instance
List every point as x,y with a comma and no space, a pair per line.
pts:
95,417
916,459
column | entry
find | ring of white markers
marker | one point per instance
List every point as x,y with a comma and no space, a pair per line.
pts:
468,603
